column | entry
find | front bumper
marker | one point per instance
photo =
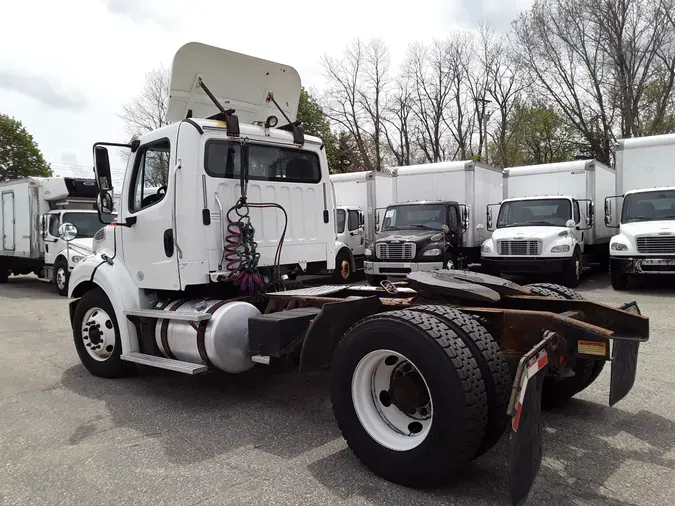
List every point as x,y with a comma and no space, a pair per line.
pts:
382,268
521,265
642,265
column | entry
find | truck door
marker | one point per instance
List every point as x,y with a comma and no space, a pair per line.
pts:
149,248
354,236
51,237
579,234
8,221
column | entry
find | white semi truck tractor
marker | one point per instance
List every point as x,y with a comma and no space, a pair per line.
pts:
190,278
643,209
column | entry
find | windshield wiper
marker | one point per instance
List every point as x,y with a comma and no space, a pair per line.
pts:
392,227
639,218
419,225
527,223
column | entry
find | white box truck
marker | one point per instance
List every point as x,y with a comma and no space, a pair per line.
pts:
547,222
361,199
437,219
643,210
32,211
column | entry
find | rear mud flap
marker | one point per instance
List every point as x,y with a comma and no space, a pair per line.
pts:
524,439
624,363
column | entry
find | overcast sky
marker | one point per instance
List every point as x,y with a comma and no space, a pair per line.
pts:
67,67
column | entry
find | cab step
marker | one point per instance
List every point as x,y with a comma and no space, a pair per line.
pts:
164,363
188,316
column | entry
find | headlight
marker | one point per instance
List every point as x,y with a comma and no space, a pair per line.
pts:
434,252
563,248
619,246
486,248
76,258
368,252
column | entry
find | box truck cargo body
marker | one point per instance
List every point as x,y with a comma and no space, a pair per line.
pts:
32,211
437,219
643,209
548,222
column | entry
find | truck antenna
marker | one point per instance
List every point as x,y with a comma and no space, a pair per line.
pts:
226,115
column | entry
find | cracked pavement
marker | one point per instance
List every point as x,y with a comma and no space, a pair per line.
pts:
268,437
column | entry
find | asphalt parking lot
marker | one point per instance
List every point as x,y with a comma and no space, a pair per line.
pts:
268,437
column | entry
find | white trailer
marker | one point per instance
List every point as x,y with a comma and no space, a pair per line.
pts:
361,198
643,209
548,222
32,211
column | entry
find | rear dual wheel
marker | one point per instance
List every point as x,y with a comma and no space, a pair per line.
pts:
557,392
410,396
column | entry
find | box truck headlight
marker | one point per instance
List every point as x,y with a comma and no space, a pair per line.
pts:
563,248
486,248
368,252
619,246
434,252
76,258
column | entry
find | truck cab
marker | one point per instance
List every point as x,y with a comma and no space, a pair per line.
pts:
415,236
538,235
645,243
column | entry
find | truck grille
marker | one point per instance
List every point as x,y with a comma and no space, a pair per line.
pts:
656,244
396,251
522,248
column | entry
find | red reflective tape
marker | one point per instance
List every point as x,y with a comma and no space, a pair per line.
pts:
516,418
543,361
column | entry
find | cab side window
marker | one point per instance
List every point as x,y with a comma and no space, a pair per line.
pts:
151,175
54,225
353,220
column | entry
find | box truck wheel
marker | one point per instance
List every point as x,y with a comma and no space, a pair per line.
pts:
619,280
4,273
97,336
409,397
60,276
343,272
572,270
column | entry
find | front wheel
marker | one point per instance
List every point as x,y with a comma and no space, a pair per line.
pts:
619,280
408,397
97,336
343,272
572,270
60,276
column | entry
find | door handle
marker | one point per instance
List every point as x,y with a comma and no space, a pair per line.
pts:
168,242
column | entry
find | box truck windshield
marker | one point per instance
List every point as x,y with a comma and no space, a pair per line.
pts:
544,212
87,224
409,217
649,206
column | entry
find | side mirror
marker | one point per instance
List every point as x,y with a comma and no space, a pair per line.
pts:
43,226
590,219
105,203
102,169
570,224
488,214
362,219
612,221
67,232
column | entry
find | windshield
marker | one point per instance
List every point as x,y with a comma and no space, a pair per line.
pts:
422,216
544,212
87,224
649,206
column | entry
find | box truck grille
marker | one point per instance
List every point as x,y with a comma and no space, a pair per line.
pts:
400,251
656,244
523,248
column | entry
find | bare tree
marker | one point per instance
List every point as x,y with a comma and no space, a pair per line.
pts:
460,117
356,96
147,110
398,123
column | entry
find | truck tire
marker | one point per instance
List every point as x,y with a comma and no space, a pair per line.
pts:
572,270
492,365
557,392
60,276
408,397
373,280
97,336
343,272
4,274
563,291
619,280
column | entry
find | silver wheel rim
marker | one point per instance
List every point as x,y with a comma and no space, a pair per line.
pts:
98,334
392,401
61,278
577,265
